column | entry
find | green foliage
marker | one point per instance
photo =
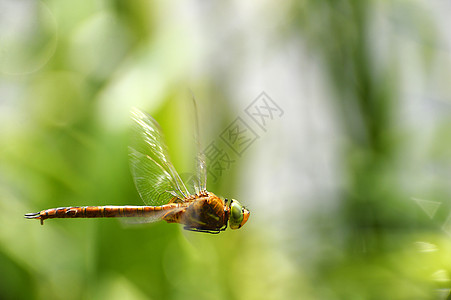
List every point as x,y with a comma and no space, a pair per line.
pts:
71,73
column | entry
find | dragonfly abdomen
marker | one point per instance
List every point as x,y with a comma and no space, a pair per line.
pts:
108,211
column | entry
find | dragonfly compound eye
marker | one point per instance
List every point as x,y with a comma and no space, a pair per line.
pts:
238,215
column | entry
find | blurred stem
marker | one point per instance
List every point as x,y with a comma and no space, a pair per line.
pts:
338,32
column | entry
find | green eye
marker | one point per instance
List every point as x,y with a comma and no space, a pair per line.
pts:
238,215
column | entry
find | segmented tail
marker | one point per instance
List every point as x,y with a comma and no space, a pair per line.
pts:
150,213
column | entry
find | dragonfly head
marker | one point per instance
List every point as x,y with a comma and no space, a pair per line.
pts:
238,214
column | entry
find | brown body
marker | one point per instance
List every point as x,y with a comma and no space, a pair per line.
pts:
203,212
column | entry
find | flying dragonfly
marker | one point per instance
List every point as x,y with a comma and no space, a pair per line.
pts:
162,189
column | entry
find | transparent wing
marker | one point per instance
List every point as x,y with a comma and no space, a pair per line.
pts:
155,177
201,176
201,184
155,217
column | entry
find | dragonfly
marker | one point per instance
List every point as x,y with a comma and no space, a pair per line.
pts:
162,189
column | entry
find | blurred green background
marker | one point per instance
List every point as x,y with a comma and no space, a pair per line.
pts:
348,184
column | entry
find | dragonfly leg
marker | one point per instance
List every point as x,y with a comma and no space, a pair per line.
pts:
202,230
225,227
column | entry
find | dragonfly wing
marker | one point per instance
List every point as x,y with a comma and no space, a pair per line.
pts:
155,177
155,217
201,176
201,172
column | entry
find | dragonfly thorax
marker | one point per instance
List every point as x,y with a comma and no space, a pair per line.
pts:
201,212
